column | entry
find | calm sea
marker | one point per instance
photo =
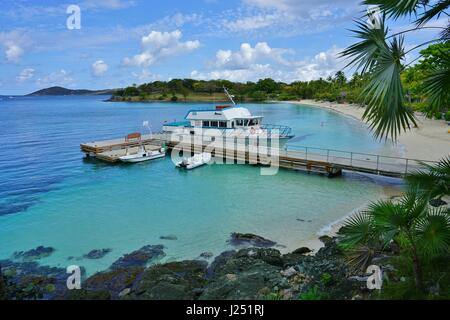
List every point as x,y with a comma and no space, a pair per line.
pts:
51,196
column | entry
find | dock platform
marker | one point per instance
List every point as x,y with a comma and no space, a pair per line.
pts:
312,160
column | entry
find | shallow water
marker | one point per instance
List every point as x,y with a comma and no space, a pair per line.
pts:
51,196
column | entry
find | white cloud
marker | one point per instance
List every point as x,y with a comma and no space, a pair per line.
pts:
288,17
145,76
14,44
262,61
246,56
59,78
25,74
158,45
13,53
107,4
99,68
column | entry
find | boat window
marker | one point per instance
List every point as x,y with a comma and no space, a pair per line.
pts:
206,123
232,124
222,124
251,123
214,124
245,123
240,123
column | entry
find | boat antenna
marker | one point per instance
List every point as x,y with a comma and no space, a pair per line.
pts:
229,95
147,125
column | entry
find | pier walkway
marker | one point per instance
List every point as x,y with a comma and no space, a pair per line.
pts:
315,160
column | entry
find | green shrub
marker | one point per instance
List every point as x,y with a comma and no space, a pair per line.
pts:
313,294
438,115
447,116
174,99
327,279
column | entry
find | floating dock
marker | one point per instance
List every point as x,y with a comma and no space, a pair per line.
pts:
312,160
111,150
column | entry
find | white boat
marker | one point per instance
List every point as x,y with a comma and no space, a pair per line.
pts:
143,155
232,124
196,161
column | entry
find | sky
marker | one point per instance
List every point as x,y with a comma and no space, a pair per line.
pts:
123,42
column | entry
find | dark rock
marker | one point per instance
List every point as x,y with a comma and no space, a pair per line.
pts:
437,203
219,261
171,281
139,258
207,255
243,275
97,253
238,239
302,250
325,239
169,237
113,282
34,254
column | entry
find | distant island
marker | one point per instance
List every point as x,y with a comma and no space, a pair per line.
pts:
60,91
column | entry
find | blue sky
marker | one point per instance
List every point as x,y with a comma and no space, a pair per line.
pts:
122,42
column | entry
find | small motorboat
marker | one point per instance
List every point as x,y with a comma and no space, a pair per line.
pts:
196,161
143,155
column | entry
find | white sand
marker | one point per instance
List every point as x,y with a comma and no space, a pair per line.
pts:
430,141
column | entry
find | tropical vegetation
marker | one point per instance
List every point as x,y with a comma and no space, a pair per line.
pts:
414,233
382,55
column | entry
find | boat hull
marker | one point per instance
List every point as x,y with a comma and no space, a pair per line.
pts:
134,159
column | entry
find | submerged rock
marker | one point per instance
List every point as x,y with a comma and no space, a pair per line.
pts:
34,254
97,253
139,258
238,239
169,237
207,255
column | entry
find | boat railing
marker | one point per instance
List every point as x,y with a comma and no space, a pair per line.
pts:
278,130
349,159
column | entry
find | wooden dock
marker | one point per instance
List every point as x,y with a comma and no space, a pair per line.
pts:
112,150
312,160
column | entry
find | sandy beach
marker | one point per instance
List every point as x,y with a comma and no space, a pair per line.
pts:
429,141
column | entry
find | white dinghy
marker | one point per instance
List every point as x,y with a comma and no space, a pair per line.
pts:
196,161
143,155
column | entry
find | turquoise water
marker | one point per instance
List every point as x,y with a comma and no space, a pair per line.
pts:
51,196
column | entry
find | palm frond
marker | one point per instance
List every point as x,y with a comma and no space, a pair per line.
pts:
356,231
386,111
397,8
437,86
435,11
364,54
435,179
360,257
434,232
389,219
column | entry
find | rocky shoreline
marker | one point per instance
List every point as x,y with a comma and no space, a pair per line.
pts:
254,270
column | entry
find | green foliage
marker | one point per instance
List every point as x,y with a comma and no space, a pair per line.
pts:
422,233
392,90
273,296
174,98
327,279
313,294
447,116
432,179
334,89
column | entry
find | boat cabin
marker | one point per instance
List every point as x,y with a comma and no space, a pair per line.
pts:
223,117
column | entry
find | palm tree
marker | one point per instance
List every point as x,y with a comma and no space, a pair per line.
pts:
382,56
422,232
434,179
